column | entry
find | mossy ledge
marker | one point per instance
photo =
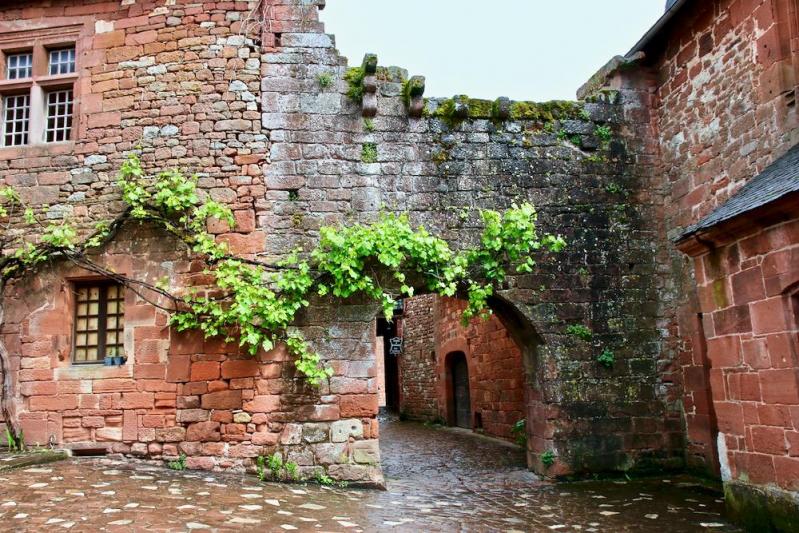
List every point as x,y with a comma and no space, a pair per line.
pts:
455,110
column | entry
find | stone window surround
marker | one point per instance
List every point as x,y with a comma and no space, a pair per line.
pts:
41,41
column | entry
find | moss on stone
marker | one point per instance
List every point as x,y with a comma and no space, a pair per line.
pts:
480,108
545,111
354,78
761,508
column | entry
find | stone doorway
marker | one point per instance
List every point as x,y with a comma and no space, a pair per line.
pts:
480,376
461,405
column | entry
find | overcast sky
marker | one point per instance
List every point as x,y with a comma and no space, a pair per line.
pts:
524,49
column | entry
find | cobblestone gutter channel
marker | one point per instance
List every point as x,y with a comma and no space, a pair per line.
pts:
437,481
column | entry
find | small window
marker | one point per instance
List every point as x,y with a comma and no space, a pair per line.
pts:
59,116
16,115
99,322
19,66
62,61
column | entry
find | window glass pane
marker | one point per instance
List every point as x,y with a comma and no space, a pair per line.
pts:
99,323
59,116
16,114
62,61
19,66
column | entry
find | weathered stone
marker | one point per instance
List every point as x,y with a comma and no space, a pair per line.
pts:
342,430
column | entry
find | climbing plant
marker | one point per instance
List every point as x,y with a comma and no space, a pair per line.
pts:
255,302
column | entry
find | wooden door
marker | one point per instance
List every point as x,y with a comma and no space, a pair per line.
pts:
460,386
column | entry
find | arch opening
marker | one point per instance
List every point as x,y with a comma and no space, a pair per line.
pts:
482,376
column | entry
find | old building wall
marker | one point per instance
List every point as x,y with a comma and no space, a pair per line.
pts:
432,330
748,299
725,110
497,375
289,154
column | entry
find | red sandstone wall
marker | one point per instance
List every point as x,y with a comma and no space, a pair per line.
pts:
496,373
432,329
749,297
418,377
723,109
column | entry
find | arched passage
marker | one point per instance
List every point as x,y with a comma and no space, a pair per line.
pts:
481,376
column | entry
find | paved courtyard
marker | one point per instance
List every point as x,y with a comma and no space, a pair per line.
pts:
438,480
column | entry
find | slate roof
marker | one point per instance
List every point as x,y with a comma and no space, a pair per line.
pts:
776,181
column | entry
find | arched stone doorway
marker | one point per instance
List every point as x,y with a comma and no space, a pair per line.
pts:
458,392
481,376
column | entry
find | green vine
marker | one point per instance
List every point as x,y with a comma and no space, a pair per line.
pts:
256,303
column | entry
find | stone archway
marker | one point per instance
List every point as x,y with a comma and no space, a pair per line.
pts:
500,354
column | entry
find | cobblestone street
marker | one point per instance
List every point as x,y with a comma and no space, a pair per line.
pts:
438,480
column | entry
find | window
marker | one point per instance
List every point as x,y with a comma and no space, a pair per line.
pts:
99,321
59,116
37,91
16,114
20,66
62,61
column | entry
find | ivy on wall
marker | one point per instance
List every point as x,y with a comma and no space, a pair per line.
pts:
256,302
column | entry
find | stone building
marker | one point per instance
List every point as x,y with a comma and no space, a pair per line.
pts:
672,179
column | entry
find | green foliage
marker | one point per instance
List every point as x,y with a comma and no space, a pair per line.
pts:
604,133
260,467
579,331
615,188
519,432
562,135
179,464
324,479
548,458
354,78
369,153
12,442
292,471
278,470
607,358
368,125
325,80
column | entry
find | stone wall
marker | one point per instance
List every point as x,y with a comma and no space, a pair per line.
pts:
724,110
418,372
190,84
718,87
498,378
748,298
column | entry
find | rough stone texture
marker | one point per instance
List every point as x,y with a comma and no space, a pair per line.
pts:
718,88
192,86
418,373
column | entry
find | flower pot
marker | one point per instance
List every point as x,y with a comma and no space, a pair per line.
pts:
119,360
108,361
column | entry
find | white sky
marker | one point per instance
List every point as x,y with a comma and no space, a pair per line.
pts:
524,49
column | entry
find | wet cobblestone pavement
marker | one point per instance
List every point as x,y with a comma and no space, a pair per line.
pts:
438,480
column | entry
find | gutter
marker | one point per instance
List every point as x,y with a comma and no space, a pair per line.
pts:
655,30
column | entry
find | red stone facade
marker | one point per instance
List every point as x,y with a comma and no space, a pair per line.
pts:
748,297
498,382
718,86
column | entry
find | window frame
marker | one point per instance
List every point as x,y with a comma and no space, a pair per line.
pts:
4,122
40,42
102,319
